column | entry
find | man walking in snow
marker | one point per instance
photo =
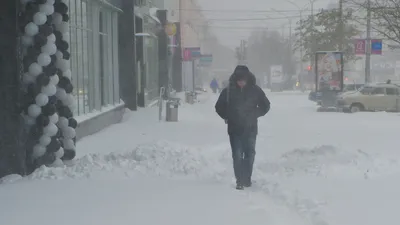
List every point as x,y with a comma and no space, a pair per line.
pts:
240,105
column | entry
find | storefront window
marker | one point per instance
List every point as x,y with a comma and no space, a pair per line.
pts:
94,55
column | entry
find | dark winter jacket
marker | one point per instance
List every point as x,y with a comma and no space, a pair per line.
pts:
241,108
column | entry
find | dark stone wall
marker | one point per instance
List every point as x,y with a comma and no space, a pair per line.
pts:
127,61
12,154
177,62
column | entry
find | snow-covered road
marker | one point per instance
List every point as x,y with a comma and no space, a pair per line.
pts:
311,168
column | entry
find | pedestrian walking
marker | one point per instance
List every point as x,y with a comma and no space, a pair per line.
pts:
240,105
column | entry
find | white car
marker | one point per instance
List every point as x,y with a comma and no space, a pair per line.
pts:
372,97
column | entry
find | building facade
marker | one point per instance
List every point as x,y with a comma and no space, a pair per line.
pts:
94,62
94,45
94,55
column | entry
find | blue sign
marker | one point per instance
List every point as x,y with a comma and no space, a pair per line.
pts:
376,46
206,58
194,52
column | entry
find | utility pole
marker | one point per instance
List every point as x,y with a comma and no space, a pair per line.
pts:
341,26
368,45
312,34
181,25
301,40
241,53
290,34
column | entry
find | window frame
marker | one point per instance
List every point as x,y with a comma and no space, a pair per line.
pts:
86,67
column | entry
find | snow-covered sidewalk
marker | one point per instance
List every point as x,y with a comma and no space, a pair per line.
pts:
311,168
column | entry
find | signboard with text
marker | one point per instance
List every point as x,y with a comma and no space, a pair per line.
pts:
190,54
359,46
206,60
376,46
329,71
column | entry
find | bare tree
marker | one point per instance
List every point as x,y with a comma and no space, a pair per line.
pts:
385,17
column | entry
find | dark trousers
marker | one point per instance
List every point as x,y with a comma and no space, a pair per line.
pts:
243,153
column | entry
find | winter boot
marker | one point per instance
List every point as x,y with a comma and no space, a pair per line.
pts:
239,187
247,184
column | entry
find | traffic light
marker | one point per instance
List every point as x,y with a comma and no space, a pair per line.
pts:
309,68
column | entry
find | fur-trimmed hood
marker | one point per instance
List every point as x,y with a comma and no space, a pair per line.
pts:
240,72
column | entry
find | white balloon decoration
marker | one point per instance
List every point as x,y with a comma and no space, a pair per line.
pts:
59,153
69,132
44,59
54,118
59,55
63,64
62,122
49,48
69,100
31,29
47,9
44,140
52,38
68,143
54,80
41,114
66,37
58,162
34,110
61,94
57,18
38,151
63,27
49,90
50,2
41,99
35,69
50,130
68,74
39,18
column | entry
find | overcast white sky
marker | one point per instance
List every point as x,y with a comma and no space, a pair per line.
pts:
233,20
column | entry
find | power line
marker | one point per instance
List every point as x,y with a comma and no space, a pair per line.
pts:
250,19
235,11
240,28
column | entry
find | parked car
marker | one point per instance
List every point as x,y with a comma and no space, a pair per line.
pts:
313,95
372,97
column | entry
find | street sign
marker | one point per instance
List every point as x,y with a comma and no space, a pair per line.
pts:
187,55
376,46
195,52
359,46
191,53
206,60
